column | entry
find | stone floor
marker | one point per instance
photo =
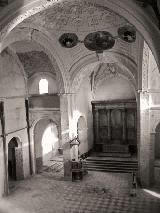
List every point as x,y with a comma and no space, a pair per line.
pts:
99,192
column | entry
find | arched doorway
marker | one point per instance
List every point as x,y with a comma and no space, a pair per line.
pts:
156,156
15,160
82,135
157,142
46,142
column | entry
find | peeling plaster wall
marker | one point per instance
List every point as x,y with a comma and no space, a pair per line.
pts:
11,79
37,66
35,61
12,87
115,88
16,127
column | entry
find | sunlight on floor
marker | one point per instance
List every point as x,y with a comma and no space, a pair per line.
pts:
155,194
6,207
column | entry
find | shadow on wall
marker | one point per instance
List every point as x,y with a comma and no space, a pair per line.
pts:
82,135
157,142
46,143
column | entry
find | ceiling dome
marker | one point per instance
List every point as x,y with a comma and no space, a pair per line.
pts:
77,16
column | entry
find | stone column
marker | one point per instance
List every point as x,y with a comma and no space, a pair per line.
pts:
124,125
145,144
145,141
3,178
152,157
109,124
65,137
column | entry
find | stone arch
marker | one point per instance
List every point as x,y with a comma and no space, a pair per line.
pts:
15,159
87,64
34,80
47,44
114,57
32,127
16,82
122,72
127,82
46,142
82,135
14,55
130,11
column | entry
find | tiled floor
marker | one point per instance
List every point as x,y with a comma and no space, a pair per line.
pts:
97,193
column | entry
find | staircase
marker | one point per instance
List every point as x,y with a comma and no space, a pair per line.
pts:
111,165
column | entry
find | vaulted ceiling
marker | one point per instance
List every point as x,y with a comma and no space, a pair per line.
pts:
81,18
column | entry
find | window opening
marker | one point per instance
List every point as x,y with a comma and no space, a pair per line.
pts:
43,86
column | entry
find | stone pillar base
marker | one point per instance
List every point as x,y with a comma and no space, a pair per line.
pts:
67,170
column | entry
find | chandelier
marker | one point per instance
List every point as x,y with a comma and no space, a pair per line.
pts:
99,41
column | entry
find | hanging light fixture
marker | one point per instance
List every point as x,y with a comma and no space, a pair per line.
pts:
127,33
68,40
99,41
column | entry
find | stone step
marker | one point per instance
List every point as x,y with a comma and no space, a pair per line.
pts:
120,155
112,170
98,160
115,148
111,164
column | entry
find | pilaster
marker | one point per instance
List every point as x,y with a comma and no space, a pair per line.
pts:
65,136
145,141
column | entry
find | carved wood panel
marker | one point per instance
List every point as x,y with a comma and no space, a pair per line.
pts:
103,125
116,126
114,123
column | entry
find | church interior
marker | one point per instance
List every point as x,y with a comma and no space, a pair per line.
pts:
79,106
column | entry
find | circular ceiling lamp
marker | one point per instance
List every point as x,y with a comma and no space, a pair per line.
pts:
68,40
127,33
99,41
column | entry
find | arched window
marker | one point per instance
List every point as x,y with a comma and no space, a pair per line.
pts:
43,86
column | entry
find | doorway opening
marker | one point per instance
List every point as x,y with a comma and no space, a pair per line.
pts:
15,160
12,159
157,142
46,143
